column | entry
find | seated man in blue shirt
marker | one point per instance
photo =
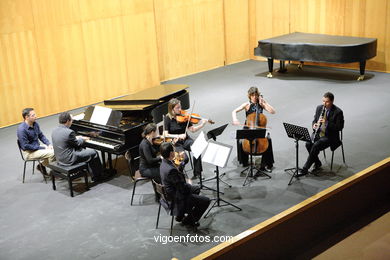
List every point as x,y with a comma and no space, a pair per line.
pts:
29,134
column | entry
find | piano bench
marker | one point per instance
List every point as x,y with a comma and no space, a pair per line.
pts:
69,173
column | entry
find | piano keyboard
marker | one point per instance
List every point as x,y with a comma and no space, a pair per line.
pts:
99,143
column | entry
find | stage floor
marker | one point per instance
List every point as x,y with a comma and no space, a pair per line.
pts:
39,223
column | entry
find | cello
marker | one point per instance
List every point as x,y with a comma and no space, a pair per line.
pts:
259,145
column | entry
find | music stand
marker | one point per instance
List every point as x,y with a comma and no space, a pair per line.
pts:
298,133
212,134
218,154
250,135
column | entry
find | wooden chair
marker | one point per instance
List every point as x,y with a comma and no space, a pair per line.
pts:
29,160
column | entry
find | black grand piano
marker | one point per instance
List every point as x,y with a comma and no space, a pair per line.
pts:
116,125
316,48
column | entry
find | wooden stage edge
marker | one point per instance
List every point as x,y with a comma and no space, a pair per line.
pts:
294,230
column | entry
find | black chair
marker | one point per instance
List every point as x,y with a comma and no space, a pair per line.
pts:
334,149
69,173
165,202
132,157
29,160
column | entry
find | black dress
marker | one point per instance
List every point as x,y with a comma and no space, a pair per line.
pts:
267,159
174,127
149,163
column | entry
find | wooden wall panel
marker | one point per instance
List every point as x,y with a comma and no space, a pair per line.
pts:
140,44
57,55
105,57
271,19
375,27
15,16
236,14
61,55
20,79
387,38
362,18
190,36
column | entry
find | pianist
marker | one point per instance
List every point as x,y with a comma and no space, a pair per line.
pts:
149,164
68,148
29,134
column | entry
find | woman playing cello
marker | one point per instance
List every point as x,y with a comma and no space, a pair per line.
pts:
176,129
255,104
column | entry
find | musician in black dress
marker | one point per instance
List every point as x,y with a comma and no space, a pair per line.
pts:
149,164
255,103
327,123
177,130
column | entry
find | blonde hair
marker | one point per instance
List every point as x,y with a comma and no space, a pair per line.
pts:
171,104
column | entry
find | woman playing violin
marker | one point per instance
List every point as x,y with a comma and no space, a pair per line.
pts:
149,164
255,103
176,129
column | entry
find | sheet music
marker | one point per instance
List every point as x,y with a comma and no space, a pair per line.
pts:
100,115
199,145
217,154
78,117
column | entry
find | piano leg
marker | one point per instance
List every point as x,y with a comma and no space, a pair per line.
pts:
282,67
110,162
270,67
103,159
362,69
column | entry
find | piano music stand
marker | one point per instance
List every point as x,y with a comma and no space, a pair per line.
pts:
250,135
212,134
218,155
298,133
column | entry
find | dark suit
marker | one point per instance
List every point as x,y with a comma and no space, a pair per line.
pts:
184,196
68,151
334,124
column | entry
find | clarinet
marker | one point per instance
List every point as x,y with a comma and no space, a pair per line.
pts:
320,124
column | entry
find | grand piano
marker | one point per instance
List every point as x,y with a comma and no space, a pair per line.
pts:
120,122
316,48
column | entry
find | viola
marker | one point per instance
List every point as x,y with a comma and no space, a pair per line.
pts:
259,145
179,158
184,117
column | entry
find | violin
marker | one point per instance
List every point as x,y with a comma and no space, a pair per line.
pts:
158,140
259,145
184,117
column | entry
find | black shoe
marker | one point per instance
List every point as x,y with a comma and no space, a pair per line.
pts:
317,166
42,169
302,172
196,176
189,221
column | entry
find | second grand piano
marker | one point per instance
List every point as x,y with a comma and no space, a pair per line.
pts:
317,48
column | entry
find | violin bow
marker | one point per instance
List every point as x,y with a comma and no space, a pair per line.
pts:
189,119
